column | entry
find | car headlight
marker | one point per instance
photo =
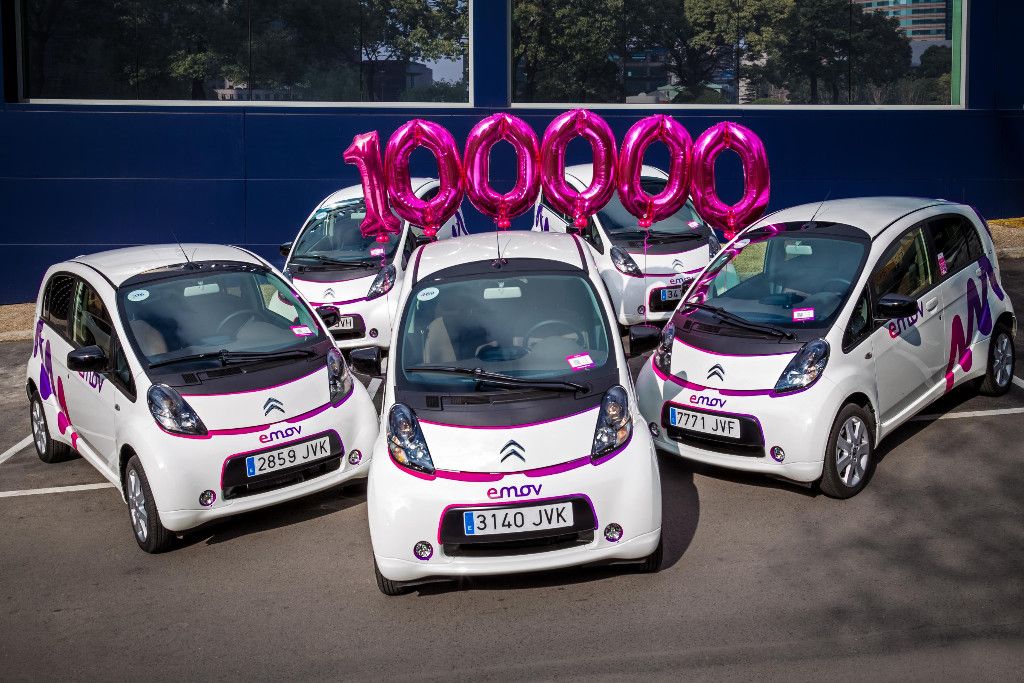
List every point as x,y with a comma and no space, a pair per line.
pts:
614,424
383,283
405,440
172,412
339,379
805,368
624,263
663,351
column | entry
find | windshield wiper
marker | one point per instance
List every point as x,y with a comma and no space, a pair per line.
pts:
327,260
740,321
225,356
499,379
676,235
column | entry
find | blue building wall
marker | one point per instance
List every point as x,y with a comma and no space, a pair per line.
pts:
76,179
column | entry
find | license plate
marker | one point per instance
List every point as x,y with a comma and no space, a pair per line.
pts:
706,424
513,520
289,456
346,322
672,294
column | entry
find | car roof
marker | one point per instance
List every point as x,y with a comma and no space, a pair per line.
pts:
514,244
118,265
870,214
585,172
356,191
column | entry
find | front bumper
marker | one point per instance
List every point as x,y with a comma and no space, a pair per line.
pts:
629,294
404,509
372,322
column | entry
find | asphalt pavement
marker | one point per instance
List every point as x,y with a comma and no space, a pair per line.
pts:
919,577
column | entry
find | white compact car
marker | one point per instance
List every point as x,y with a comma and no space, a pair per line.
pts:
165,368
644,285
332,264
511,439
821,329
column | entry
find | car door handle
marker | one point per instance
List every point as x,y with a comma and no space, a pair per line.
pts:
931,305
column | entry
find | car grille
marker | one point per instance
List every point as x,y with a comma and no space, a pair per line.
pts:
750,444
656,305
456,542
236,484
358,330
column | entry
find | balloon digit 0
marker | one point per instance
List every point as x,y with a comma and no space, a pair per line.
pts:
563,197
502,207
433,213
756,179
650,209
364,153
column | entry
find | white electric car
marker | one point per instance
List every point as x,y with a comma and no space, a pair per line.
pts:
819,330
511,438
164,367
332,264
645,284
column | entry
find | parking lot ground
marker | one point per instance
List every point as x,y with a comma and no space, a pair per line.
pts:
918,577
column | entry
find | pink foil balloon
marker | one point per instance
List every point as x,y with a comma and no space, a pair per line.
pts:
364,153
658,128
433,213
756,178
502,207
561,195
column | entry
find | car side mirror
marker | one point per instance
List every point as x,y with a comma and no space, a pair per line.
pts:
893,306
366,360
87,359
285,249
643,338
329,314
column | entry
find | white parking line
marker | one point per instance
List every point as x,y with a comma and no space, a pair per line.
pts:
373,387
968,413
1018,381
13,450
56,489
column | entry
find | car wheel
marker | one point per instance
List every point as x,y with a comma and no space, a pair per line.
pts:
1001,359
849,454
386,585
149,533
48,450
652,563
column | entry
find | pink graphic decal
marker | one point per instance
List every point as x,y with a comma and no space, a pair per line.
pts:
580,361
942,263
301,331
377,251
803,314
977,311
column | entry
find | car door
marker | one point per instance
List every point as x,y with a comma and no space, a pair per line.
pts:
60,291
91,397
909,353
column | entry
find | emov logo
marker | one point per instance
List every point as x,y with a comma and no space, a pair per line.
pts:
514,491
977,310
709,401
901,325
279,434
93,379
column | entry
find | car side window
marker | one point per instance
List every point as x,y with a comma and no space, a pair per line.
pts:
950,238
906,269
974,246
57,301
90,322
859,327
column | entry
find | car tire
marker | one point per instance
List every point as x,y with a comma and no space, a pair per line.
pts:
386,585
846,473
149,533
48,450
652,563
1002,357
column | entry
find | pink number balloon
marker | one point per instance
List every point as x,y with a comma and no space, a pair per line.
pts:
562,196
756,178
658,128
502,207
430,214
364,153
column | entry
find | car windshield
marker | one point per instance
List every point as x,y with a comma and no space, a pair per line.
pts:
531,327
780,278
332,234
247,310
616,220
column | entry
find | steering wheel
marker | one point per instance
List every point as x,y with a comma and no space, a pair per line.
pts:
843,285
249,315
554,323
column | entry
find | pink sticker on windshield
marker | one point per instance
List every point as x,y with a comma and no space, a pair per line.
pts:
302,331
580,361
377,251
942,263
803,314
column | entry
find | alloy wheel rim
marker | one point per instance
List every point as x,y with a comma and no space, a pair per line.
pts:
1002,360
852,452
38,427
137,506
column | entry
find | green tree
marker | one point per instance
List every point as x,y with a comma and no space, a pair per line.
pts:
936,61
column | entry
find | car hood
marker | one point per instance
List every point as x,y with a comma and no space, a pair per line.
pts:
699,369
336,292
672,264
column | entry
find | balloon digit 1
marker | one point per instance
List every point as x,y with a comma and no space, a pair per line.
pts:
502,207
658,128
756,179
430,214
561,196
364,153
